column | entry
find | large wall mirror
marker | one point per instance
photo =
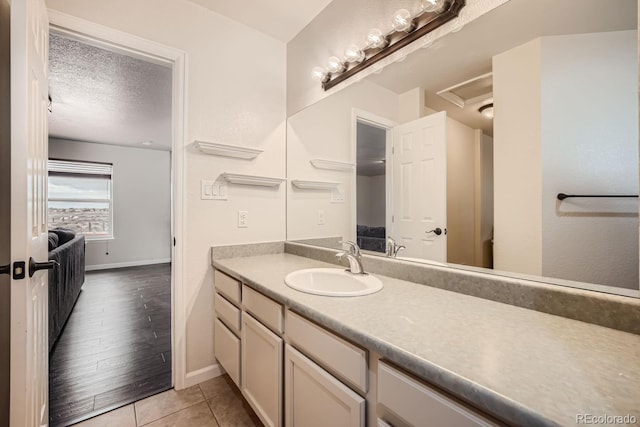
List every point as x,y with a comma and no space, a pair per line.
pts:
459,151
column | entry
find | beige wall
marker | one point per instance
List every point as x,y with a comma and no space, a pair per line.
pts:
461,211
517,160
235,94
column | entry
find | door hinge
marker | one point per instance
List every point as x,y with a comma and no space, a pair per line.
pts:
19,270
393,218
174,241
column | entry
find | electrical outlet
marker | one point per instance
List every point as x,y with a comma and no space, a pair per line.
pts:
243,219
321,220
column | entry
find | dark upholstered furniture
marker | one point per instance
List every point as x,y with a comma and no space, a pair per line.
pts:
371,238
65,280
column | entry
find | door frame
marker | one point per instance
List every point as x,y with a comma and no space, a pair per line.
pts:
363,116
105,37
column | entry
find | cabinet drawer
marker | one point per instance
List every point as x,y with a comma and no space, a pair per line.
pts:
227,347
265,309
315,398
345,360
228,313
415,403
227,286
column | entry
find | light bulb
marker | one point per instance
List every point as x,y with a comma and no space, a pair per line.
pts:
335,65
319,74
353,54
376,39
432,5
402,21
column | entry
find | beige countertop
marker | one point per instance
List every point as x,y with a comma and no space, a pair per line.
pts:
523,366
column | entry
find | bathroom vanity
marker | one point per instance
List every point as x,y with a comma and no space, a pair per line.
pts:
411,354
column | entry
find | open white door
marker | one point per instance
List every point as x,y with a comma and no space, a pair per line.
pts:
419,196
29,102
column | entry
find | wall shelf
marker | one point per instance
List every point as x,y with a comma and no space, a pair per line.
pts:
260,181
332,165
226,150
315,185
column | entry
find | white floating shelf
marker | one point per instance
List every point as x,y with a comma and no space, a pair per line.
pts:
226,150
332,165
261,181
315,185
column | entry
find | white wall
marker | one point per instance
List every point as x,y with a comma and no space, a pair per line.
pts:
590,146
371,200
484,200
577,134
141,203
235,94
325,131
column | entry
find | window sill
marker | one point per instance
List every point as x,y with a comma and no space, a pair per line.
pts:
98,239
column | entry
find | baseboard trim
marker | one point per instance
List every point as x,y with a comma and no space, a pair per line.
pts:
126,264
202,375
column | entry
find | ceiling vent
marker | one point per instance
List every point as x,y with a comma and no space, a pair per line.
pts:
474,91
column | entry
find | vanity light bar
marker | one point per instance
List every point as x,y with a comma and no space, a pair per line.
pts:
406,29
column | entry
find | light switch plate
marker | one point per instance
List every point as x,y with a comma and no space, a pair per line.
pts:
337,196
213,190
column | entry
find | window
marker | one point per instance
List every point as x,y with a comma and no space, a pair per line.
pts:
81,197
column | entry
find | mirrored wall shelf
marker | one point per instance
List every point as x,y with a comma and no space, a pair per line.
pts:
332,165
226,150
315,185
260,181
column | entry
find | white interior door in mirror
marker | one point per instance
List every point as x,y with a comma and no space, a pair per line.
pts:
419,197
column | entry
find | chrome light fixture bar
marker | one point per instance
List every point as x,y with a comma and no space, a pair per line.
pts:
406,28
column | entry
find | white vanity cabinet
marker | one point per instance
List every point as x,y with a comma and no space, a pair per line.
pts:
262,356
227,324
320,373
406,401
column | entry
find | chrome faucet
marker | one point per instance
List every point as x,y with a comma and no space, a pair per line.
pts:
353,256
393,248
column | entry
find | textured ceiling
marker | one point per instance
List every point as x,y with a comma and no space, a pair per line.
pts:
106,97
282,19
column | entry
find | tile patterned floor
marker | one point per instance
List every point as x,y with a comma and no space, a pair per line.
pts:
215,403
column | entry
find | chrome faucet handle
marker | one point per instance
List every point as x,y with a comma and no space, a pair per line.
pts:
355,265
390,250
353,248
398,249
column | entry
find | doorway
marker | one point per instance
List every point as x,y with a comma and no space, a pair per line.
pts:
137,274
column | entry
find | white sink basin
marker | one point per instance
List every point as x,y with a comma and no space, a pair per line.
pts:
334,282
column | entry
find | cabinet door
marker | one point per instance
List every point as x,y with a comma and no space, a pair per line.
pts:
315,398
262,370
227,350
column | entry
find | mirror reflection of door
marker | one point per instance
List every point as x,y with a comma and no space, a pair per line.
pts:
371,145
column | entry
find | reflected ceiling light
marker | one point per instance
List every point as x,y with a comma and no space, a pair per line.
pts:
487,111
406,28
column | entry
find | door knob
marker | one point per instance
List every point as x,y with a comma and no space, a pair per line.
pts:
437,231
5,269
35,266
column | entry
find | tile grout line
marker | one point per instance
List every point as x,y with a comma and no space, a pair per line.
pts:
179,410
209,406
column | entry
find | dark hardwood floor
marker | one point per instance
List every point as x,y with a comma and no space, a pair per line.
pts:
116,346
